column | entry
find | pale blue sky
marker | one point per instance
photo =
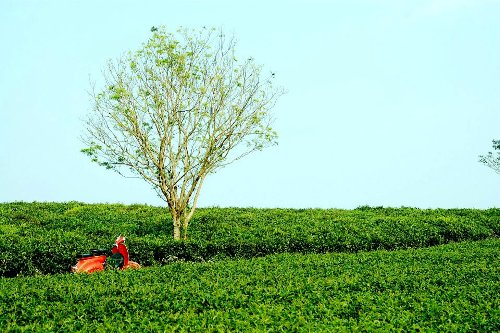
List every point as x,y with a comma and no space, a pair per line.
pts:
389,102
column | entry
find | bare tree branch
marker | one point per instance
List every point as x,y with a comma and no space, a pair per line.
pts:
490,160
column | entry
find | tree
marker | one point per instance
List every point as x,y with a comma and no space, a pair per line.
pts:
490,160
178,109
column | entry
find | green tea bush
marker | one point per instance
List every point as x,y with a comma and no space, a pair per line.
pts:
448,288
44,238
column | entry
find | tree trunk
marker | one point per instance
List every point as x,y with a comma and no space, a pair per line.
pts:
177,228
185,227
186,216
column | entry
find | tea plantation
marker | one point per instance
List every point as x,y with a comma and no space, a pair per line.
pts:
449,288
271,270
44,238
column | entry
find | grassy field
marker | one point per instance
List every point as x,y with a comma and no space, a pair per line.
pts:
44,238
271,270
448,288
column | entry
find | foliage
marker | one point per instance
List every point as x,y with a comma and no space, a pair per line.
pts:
44,238
490,160
178,109
449,288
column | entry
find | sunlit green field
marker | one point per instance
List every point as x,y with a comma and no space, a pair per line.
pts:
368,269
452,287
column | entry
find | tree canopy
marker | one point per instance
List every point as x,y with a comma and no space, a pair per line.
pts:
178,109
